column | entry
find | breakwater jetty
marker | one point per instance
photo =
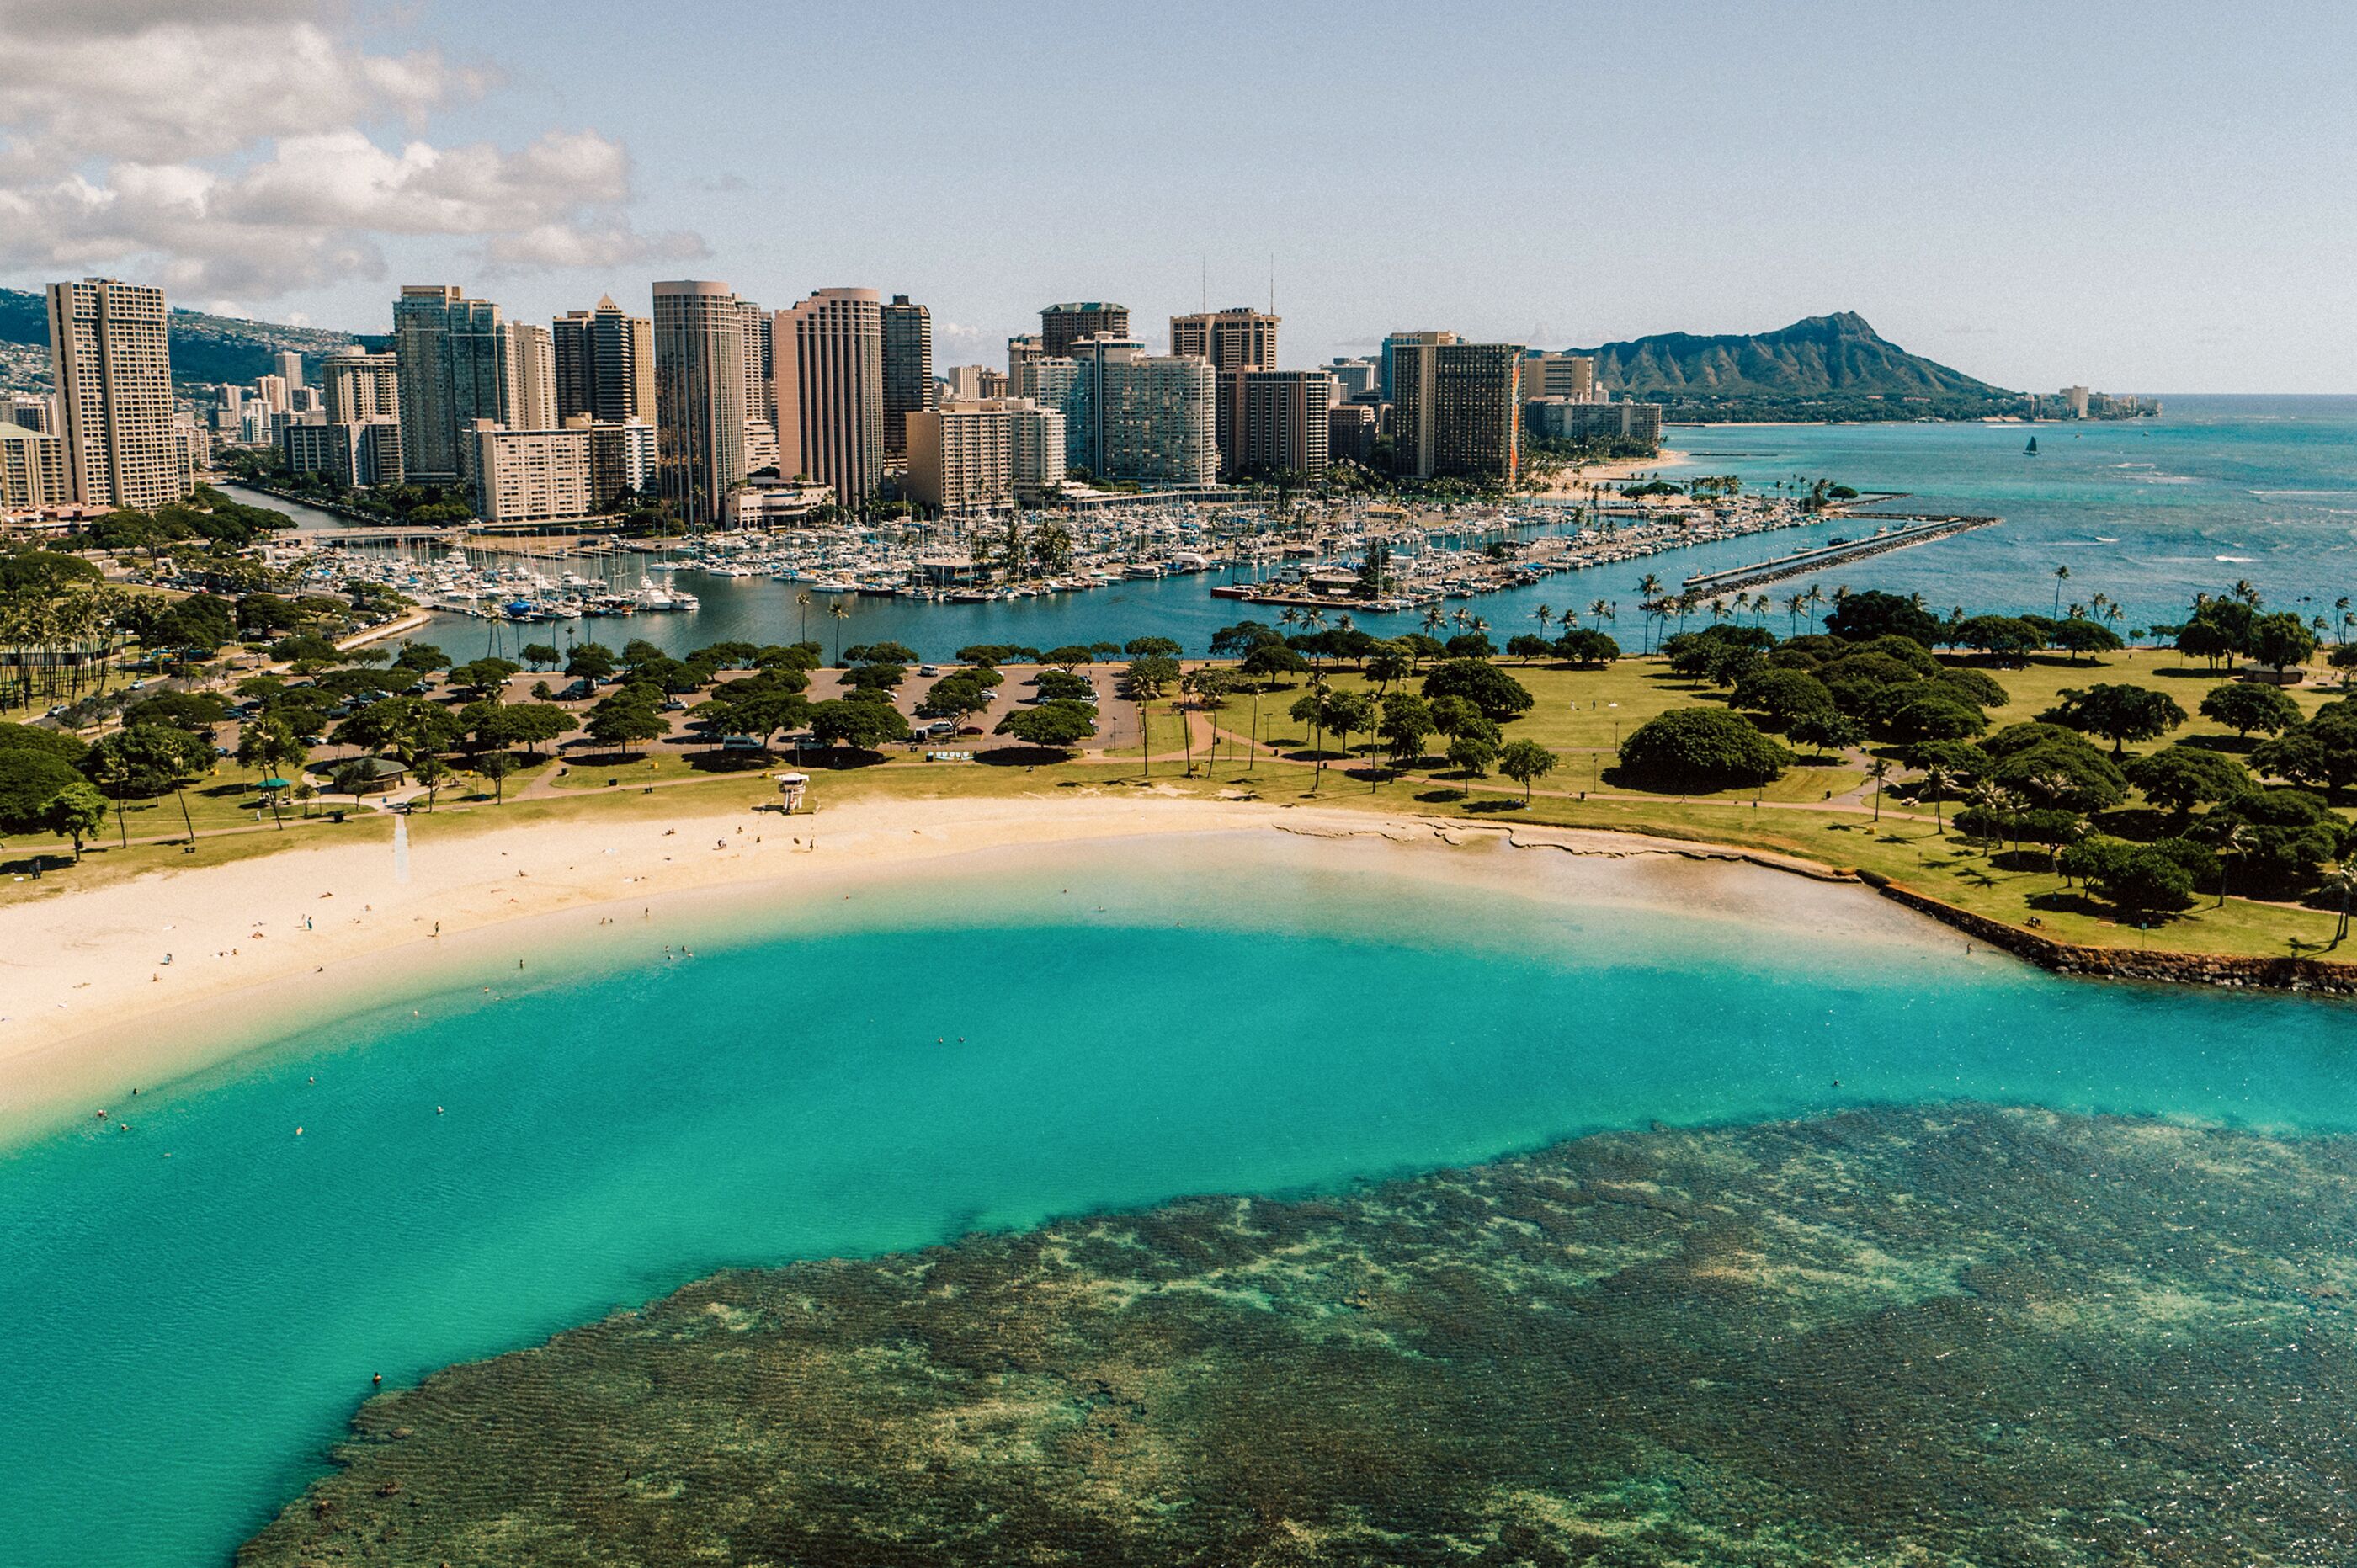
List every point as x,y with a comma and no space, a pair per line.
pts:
1917,528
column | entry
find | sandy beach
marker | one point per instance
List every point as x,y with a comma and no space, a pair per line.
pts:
1571,482
151,979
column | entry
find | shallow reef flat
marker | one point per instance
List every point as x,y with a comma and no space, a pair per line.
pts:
1961,1335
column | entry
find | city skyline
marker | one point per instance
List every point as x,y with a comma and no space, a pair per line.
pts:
2029,218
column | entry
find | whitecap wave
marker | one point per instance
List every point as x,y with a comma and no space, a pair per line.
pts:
2237,559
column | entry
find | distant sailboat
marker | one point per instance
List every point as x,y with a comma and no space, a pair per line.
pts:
2031,450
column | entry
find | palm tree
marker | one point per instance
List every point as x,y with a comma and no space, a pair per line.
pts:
1601,610
801,607
1434,618
1879,770
2344,882
2233,840
1543,615
841,611
1650,585
1938,779
1816,597
1793,605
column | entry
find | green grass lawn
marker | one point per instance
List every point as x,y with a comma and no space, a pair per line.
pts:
1581,714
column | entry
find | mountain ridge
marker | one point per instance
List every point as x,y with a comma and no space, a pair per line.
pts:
1833,365
204,348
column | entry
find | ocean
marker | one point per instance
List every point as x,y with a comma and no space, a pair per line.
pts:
976,1046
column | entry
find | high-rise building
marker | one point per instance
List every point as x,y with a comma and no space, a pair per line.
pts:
33,469
1062,325
29,410
528,378
760,386
1021,349
699,354
622,461
111,367
1456,407
1056,384
452,356
908,369
1558,375
1356,379
289,366
1383,359
1350,433
830,381
1284,422
605,364
360,385
1235,341
1147,419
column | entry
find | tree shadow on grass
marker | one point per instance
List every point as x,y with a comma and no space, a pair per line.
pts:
1491,804
1023,755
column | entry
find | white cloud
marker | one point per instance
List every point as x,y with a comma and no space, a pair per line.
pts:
221,154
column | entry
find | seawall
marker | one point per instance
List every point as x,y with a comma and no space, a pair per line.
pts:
2303,974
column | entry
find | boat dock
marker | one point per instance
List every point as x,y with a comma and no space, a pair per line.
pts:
1920,528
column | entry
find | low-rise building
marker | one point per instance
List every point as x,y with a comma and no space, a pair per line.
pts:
358,454
983,455
1579,419
529,476
766,500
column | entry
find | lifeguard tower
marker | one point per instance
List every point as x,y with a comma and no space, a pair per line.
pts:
792,788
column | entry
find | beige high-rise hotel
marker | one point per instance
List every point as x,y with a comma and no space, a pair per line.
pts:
112,366
829,357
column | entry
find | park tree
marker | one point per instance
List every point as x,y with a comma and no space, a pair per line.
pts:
1405,725
2281,641
2137,880
2119,713
541,655
29,780
1499,697
865,726
1827,730
1780,696
591,662
626,717
1863,617
143,762
76,812
1057,725
1695,750
1525,762
2243,706
2282,838
1586,646
1472,755
2180,778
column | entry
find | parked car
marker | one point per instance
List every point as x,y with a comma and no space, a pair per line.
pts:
739,742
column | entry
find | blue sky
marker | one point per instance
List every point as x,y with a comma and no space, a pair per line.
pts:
2144,198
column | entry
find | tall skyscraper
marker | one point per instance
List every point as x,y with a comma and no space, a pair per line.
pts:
605,364
528,378
908,370
452,356
699,352
1062,325
1235,340
289,367
1456,407
360,385
830,382
1285,422
111,367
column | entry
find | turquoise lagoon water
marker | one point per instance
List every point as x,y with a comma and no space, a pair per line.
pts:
2148,512
986,1046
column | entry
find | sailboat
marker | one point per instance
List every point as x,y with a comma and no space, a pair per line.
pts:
2031,450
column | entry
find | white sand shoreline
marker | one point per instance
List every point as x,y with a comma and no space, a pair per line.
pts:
91,1008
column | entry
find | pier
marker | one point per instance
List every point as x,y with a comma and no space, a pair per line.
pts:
1922,528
